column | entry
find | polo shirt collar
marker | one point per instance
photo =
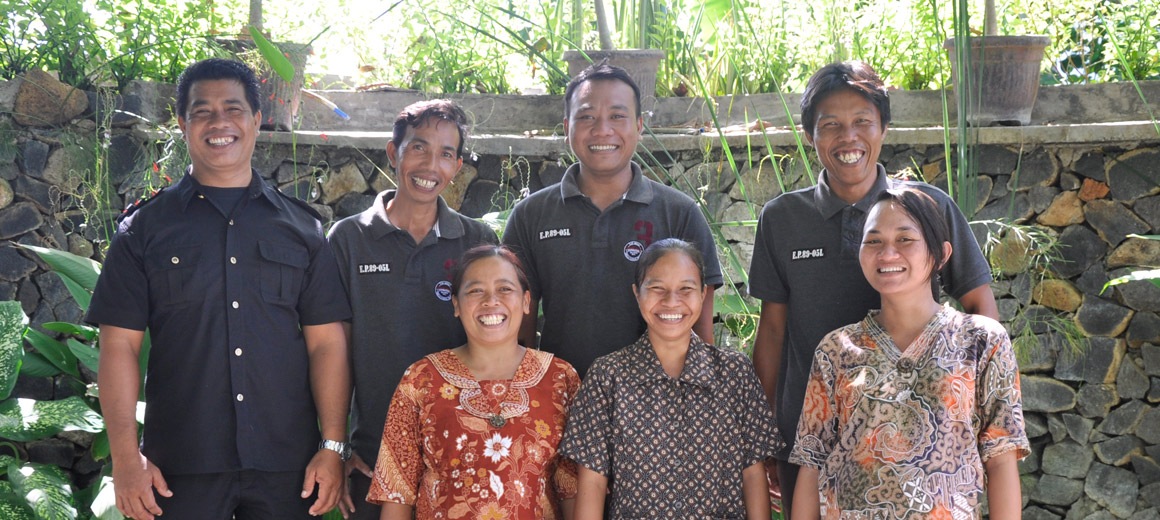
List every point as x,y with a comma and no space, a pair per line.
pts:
639,190
374,218
830,204
188,186
645,366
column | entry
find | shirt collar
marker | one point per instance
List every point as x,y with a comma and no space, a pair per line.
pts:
639,190
643,360
830,204
447,225
188,187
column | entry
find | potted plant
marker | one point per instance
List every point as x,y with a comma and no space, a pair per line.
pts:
1003,78
641,63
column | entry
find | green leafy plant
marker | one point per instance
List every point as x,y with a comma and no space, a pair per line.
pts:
1150,275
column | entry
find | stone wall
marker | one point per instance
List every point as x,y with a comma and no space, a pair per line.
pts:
1091,413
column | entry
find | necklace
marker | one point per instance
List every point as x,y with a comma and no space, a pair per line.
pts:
499,392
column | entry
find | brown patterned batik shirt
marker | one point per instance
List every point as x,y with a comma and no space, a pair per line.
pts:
671,448
903,434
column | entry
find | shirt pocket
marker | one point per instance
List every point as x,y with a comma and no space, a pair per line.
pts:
282,270
172,269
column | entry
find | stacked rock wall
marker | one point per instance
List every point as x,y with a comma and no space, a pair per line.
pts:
1091,411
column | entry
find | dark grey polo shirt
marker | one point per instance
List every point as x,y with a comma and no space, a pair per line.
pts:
806,256
224,297
582,261
400,293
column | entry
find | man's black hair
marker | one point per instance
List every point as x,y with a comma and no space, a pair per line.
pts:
217,68
416,114
600,71
854,76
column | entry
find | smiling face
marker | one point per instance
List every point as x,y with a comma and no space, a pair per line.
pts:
670,296
491,302
219,129
894,255
848,138
602,127
426,160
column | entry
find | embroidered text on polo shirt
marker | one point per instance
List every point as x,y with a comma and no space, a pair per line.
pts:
553,233
806,254
374,268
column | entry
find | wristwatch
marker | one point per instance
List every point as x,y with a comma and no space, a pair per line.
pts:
342,448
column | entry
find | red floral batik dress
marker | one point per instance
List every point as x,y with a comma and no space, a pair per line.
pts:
454,447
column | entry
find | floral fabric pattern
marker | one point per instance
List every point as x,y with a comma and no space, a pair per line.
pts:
672,448
904,434
443,452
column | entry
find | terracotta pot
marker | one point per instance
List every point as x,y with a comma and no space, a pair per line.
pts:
1007,70
641,64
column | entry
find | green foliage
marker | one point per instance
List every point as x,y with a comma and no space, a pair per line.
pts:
12,325
46,488
1150,275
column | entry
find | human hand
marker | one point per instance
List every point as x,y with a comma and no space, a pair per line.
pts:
346,505
133,482
325,471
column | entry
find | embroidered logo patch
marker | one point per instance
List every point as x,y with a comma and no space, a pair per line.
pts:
554,233
806,254
443,290
373,268
633,250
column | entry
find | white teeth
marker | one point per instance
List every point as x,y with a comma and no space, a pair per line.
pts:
491,319
424,183
849,157
221,141
671,317
602,147
891,270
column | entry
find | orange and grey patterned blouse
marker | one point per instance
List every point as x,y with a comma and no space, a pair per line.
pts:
905,434
455,447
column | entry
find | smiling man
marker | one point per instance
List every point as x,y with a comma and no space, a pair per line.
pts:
580,239
395,260
240,294
805,261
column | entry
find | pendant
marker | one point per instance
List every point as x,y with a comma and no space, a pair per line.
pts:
498,421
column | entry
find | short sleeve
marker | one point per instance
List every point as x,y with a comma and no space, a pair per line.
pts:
338,239
588,435
323,298
564,480
399,467
761,433
818,427
765,280
967,268
121,297
696,232
999,400
515,237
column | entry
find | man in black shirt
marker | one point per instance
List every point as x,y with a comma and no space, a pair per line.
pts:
241,296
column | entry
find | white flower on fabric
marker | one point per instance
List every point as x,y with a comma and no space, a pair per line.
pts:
459,441
496,485
496,447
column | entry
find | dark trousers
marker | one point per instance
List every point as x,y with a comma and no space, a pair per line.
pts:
238,495
787,477
359,486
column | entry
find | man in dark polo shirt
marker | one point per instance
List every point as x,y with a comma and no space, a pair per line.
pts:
580,239
395,260
241,296
805,261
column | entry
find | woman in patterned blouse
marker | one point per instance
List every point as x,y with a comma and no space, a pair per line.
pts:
679,427
472,431
916,409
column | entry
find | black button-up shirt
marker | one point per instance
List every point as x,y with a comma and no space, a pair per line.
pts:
224,297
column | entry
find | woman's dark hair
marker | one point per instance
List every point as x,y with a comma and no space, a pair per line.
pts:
217,68
416,114
597,72
924,211
486,251
854,76
657,250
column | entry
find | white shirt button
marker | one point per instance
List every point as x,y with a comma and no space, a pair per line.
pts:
237,352
175,260
231,221
233,260
235,304
240,397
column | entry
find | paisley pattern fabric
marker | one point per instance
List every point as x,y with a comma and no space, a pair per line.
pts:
904,434
443,452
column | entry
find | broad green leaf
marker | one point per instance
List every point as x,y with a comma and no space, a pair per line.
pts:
1151,275
100,447
36,366
143,363
83,271
79,294
84,331
733,304
46,489
87,355
54,351
273,56
26,420
13,323
12,507
104,504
